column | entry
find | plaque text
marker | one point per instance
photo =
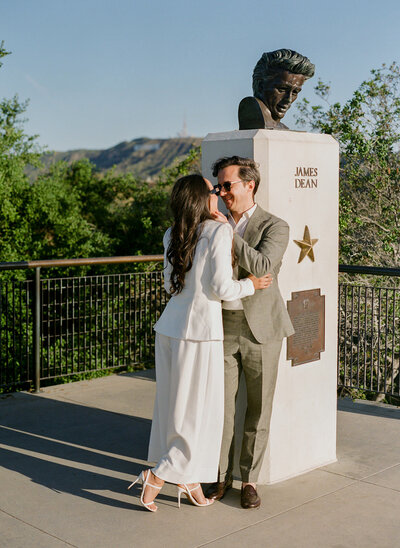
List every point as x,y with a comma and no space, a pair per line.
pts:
307,312
306,177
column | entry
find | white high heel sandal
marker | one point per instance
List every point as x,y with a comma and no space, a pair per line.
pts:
144,479
188,492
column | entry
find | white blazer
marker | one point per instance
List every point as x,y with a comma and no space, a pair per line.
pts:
195,313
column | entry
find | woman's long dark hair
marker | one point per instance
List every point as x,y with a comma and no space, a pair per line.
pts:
189,204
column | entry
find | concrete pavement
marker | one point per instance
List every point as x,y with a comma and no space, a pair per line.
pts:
69,453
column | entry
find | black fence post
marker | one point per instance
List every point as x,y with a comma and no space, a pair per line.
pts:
37,329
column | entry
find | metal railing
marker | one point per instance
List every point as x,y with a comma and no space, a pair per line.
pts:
58,327
369,333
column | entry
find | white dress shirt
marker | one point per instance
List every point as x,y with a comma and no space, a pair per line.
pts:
239,228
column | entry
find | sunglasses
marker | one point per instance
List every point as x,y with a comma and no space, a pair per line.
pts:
226,186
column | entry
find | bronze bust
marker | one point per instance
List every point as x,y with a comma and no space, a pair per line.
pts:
277,80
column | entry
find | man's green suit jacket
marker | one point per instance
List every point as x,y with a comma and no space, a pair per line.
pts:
260,251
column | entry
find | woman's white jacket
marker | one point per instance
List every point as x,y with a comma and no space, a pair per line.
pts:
195,313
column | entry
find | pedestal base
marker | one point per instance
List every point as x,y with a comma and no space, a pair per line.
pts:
299,183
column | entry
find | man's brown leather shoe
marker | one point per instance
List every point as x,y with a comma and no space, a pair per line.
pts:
217,490
249,497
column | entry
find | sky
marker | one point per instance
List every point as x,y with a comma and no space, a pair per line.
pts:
98,72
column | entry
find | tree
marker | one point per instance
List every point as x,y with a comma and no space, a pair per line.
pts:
39,220
3,52
367,127
16,151
72,210
149,215
133,214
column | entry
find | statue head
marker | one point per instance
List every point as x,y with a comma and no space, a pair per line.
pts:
278,78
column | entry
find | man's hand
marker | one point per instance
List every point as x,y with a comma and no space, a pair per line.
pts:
261,283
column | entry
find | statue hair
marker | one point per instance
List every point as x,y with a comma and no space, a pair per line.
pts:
274,62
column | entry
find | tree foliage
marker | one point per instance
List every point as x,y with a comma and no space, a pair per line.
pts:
132,214
72,210
367,127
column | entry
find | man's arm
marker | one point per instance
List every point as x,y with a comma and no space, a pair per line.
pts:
220,263
269,252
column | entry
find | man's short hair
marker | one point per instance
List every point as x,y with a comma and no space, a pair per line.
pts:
248,169
277,61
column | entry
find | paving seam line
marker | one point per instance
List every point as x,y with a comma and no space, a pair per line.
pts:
37,528
339,474
380,471
277,515
382,486
364,477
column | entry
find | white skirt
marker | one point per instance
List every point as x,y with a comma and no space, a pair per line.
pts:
188,417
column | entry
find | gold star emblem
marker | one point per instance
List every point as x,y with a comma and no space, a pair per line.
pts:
306,245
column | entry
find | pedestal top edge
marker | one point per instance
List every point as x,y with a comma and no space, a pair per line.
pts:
270,135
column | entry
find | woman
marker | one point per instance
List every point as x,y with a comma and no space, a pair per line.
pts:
188,414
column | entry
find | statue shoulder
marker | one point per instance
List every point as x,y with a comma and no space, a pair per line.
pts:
251,114
254,114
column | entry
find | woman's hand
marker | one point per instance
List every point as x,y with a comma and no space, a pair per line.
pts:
261,283
218,216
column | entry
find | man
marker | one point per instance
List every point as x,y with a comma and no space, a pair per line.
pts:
278,78
253,327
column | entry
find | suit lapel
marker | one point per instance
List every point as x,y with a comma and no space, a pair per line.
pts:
252,233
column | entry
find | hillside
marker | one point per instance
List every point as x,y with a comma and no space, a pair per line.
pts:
142,157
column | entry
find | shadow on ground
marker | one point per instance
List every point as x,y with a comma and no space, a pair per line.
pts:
363,407
58,440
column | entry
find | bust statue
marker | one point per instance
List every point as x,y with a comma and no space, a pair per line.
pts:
277,80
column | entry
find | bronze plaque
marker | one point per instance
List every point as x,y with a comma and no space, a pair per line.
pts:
307,312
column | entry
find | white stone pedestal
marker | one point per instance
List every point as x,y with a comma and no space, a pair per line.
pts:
303,424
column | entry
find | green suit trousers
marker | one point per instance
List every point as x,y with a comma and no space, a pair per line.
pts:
259,365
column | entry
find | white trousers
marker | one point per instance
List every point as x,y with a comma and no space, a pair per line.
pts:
188,417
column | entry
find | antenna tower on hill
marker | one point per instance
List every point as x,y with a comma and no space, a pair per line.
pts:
183,132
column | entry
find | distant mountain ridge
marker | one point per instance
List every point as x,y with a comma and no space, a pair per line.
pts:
143,157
